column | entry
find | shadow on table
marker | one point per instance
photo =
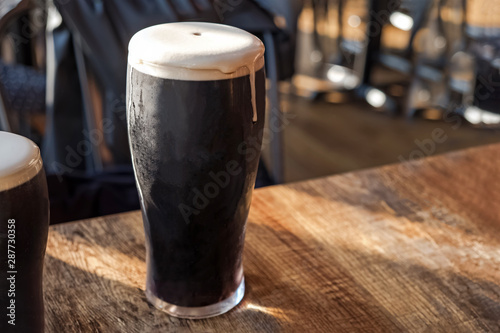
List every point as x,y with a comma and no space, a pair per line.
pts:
81,301
429,297
122,233
346,289
309,286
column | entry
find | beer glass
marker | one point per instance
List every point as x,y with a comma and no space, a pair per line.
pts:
24,225
196,103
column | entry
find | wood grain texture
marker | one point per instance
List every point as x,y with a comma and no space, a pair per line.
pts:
403,248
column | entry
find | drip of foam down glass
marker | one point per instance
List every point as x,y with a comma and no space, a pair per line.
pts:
195,51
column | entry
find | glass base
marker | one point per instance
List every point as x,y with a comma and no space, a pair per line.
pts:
202,311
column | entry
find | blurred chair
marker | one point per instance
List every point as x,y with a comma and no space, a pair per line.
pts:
480,66
10,10
331,52
438,45
394,27
22,83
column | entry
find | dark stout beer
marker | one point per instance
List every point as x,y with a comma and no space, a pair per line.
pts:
24,222
195,136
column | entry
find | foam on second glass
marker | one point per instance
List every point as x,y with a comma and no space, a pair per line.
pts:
195,51
19,160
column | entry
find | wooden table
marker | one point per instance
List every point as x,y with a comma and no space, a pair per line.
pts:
403,248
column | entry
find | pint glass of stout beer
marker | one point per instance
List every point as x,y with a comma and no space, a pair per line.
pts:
24,225
196,103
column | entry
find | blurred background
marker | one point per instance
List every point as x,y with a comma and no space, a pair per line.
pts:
352,84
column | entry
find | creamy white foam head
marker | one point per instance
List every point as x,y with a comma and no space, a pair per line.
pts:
20,160
195,51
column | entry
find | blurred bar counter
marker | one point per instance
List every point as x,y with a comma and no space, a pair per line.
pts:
324,138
